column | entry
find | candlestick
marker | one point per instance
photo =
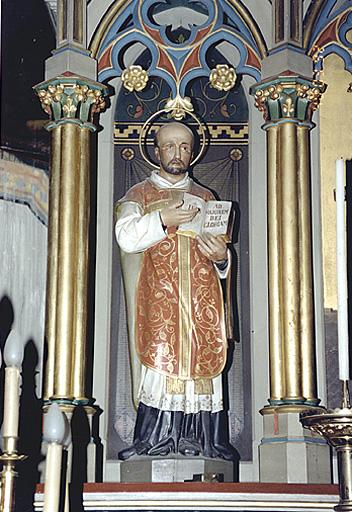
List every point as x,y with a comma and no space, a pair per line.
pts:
341,267
10,424
336,427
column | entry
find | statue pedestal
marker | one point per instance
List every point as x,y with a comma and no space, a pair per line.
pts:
176,468
290,453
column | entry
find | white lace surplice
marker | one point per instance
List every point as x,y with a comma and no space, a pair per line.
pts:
153,393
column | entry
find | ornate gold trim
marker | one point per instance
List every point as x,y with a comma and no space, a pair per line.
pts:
105,24
185,321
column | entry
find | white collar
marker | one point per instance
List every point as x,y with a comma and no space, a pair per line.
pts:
161,182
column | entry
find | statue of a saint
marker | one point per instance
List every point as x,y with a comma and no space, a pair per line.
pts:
175,309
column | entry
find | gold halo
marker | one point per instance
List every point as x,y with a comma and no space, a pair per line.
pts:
150,118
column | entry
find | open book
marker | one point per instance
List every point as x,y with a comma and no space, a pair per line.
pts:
213,217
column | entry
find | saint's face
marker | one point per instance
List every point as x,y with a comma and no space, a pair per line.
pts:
174,150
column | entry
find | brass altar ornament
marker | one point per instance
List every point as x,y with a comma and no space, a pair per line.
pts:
134,78
9,459
336,428
222,77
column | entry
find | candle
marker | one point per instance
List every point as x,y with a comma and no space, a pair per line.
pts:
52,478
341,269
13,356
54,433
11,402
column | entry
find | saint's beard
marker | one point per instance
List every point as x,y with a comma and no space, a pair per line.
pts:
175,167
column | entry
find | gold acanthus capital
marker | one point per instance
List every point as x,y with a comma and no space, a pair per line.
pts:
71,98
288,97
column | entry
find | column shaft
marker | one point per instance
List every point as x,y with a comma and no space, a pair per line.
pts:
52,260
290,262
277,370
309,388
81,293
67,259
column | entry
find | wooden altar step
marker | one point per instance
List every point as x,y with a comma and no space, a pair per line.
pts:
199,496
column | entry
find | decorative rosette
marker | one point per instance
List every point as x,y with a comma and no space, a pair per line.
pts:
222,77
134,78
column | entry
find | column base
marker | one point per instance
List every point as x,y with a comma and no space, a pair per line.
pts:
290,453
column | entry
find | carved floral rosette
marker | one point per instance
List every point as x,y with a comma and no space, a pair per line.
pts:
134,78
222,77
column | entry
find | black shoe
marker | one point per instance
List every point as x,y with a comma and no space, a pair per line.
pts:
218,451
139,448
189,448
163,448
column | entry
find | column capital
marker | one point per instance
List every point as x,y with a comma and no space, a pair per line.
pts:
71,98
288,98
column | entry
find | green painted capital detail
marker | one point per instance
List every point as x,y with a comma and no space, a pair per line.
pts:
67,98
288,97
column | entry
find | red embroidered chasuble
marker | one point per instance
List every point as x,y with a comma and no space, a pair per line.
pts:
180,326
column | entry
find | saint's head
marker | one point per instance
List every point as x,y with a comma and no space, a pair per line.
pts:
174,150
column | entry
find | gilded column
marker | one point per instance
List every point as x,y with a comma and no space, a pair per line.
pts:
82,235
50,314
288,96
288,103
309,386
288,262
277,371
71,103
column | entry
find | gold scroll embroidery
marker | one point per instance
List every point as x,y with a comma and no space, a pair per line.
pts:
185,311
203,387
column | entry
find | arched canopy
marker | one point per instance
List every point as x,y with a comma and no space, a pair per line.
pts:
178,37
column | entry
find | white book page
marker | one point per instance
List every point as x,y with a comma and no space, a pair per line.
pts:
191,201
216,217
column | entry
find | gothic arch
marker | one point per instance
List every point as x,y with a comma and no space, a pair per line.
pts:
227,20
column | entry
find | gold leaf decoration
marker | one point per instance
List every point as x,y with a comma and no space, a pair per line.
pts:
179,107
134,78
222,77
